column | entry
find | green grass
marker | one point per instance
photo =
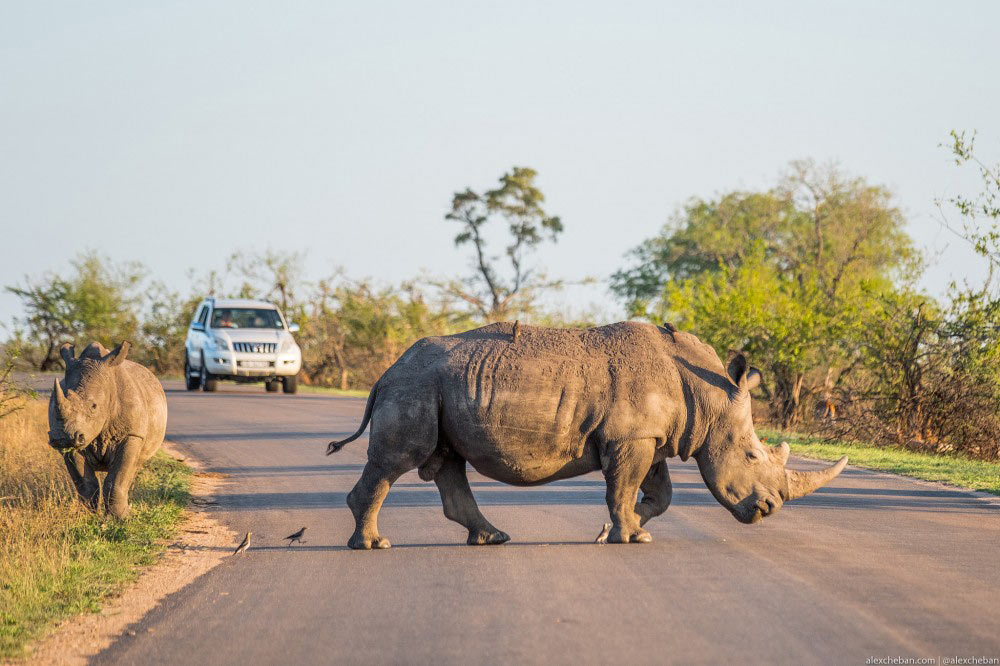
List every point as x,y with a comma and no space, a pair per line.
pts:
955,470
70,560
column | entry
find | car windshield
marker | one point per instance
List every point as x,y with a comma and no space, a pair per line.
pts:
246,318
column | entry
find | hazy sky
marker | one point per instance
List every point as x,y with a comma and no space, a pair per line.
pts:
177,132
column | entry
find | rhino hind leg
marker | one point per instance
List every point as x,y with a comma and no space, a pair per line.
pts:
365,500
460,504
656,493
625,465
404,434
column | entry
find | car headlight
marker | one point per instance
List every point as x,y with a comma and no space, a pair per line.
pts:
220,343
287,345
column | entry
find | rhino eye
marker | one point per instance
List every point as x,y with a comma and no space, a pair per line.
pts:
753,456
94,406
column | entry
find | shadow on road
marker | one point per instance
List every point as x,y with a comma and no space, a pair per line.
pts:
407,546
290,470
582,493
237,437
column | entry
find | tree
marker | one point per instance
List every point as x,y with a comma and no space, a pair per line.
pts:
165,328
99,300
272,275
495,293
980,213
784,274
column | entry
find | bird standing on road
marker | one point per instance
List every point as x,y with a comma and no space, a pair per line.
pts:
242,548
292,538
603,536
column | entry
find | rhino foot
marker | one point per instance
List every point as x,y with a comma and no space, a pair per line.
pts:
361,542
487,537
119,511
619,535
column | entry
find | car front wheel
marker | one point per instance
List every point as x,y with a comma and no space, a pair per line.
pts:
192,379
208,382
290,384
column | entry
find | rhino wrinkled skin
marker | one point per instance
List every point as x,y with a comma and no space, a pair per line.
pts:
549,404
108,415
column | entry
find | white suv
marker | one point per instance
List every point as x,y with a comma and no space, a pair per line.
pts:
241,340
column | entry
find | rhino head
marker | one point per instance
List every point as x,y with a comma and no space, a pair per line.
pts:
77,416
743,474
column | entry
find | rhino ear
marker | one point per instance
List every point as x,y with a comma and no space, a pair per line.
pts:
745,377
67,351
118,355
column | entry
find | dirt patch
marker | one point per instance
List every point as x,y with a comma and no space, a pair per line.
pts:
201,543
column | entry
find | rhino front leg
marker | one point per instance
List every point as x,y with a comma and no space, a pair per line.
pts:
656,492
625,465
84,479
460,505
120,477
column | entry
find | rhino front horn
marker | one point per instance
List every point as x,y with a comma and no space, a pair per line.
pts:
60,396
801,484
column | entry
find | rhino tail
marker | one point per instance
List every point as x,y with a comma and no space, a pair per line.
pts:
333,447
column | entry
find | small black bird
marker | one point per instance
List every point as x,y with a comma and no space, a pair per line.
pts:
242,548
292,538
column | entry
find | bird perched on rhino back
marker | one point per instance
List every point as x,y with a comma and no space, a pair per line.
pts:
107,414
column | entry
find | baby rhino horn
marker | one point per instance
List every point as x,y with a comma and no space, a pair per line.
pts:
60,396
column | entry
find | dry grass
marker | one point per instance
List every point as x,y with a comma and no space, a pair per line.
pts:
56,557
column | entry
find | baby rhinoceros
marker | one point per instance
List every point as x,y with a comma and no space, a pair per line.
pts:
107,415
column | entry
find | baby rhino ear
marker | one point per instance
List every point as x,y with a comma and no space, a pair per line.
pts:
118,354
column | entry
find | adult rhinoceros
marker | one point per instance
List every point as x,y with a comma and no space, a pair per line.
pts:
549,404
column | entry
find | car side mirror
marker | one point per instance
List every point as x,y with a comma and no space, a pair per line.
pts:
198,326
293,328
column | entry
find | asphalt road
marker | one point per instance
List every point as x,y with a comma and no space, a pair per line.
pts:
871,566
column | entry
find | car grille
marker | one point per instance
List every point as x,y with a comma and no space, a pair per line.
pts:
255,347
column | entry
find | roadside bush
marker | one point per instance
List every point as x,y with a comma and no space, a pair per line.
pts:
353,332
928,379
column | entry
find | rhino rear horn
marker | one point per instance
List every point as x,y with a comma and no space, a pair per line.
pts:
67,351
118,355
801,484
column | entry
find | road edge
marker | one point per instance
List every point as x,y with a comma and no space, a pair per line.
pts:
201,543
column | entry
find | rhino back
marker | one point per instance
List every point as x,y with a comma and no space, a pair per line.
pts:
144,404
522,410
